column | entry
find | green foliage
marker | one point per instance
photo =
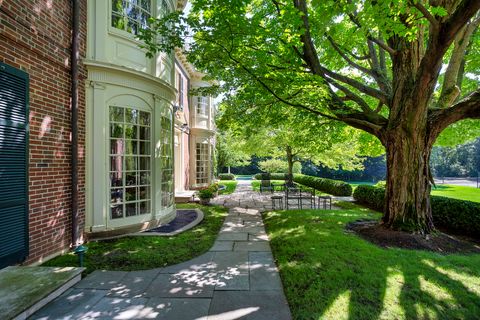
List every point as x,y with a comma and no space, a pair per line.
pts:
226,176
333,187
381,184
328,273
229,185
277,165
270,176
208,192
229,150
457,215
149,252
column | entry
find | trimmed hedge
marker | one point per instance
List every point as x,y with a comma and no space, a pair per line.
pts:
456,215
333,187
270,176
226,176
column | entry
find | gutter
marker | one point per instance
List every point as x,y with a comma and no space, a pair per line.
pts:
74,117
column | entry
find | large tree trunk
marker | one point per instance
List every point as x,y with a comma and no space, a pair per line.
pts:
407,197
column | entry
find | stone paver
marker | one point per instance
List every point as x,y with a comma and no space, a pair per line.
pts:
236,279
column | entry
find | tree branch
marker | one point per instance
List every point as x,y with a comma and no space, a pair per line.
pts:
450,89
439,119
434,22
357,85
346,58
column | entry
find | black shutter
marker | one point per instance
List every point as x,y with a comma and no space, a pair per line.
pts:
13,165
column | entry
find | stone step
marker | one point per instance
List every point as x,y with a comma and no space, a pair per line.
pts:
24,290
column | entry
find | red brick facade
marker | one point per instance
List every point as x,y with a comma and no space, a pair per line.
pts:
35,36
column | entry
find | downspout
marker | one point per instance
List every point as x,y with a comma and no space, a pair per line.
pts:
74,117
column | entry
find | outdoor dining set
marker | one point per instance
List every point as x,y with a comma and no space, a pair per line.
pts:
291,195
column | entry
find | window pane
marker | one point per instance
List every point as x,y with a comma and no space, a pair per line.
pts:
144,118
116,179
144,163
144,178
116,196
116,146
131,178
116,163
131,163
116,131
117,211
144,207
116,114
131,147
144,133
131,209
144,148
130,194
144,193
131,132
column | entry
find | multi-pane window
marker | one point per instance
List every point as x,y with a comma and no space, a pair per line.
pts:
202,105
131,15
167,159
202,163
130,162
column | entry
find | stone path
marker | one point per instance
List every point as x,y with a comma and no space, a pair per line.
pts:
236,279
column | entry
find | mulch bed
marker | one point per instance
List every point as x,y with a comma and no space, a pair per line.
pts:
438,242
183,218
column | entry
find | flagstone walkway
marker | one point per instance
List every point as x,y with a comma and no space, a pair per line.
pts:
236,279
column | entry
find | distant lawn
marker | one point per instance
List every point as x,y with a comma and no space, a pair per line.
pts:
149,252
256,184
328,273
457,192
355,184
230,186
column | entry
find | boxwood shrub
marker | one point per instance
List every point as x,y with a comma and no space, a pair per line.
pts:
333,187
226,176
457,215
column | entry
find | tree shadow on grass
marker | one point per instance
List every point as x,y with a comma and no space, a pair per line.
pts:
330,274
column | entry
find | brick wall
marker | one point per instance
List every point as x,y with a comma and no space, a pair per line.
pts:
35,36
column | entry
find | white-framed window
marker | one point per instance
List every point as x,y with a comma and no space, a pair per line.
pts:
130,162
131,15
202,105
166,154
202,163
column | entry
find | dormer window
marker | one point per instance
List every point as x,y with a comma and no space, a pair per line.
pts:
131,15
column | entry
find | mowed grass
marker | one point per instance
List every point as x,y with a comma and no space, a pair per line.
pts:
457,192
230,186
329,273
149,252
256,184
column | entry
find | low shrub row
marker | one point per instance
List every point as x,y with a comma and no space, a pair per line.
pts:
333,187
226,176
456,215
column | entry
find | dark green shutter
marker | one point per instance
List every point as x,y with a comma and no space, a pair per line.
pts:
13,165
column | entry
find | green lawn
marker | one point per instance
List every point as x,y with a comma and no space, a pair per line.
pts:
328,273
148,252
230,186
256,184
457,192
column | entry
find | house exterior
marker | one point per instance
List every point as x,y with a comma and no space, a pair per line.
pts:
194,129
136,144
